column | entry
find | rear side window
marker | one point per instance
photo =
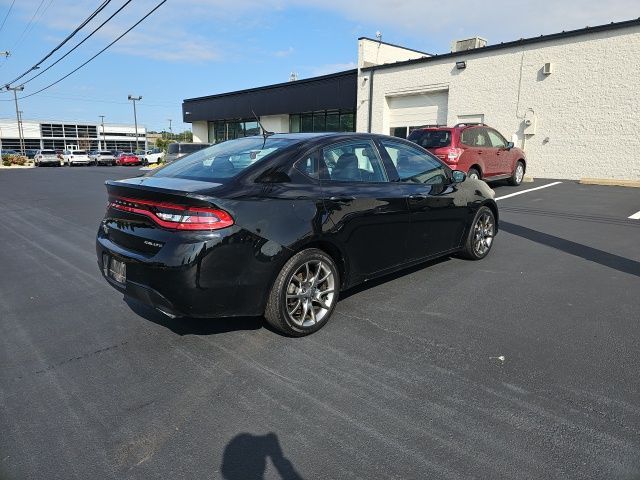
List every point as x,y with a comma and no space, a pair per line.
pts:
431,138
224,160
354,161
475,137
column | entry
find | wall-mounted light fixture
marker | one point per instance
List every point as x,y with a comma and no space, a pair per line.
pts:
461,65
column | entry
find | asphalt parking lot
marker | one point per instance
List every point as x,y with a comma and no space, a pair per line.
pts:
524,365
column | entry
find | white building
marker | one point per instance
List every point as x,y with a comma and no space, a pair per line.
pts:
571,100
39,134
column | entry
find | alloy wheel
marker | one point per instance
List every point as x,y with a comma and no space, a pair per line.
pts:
310,293
519,173
483,233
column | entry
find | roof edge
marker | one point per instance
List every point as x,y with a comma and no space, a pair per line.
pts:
514,43
343,73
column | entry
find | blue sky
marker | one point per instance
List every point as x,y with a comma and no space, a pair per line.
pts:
191,48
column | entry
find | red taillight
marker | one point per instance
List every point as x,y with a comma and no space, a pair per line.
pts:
174,216
452,155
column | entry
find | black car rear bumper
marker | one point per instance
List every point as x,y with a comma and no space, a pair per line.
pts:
227,276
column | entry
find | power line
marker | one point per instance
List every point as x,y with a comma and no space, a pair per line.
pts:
61,44
28,25
81,42
7,15
97,54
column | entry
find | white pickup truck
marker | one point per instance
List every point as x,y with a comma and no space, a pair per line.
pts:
152,156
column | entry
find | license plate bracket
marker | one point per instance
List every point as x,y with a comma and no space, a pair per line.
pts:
115,269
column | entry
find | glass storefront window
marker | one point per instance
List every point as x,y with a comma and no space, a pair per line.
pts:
333,122
294,123
306,124
347,122
319,122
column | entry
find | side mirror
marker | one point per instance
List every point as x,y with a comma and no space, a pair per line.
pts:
510,145
458,176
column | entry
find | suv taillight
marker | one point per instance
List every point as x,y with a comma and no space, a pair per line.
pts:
453,155
173,216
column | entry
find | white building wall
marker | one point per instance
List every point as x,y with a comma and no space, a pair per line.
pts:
586,112
200,130
371,53
275,123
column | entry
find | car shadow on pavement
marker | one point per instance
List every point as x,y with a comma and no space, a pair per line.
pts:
607,259
194,326
245,458
391,277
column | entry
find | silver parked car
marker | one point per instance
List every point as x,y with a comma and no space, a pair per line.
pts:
47,157
103,157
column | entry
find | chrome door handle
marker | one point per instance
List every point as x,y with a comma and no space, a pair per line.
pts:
342,199
417,197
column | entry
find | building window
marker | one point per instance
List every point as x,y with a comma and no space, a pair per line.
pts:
322,121
222,130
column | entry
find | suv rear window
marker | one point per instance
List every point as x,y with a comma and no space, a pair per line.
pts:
224,160
105,152
431,138
47,152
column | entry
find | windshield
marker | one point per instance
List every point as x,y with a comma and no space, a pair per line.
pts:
105,152
48,152
224,160
78,152
431,138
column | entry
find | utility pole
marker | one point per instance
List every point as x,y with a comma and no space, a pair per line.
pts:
135,116
15,98
104,141
170,131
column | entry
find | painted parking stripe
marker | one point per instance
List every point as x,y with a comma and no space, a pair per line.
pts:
635,216
528,190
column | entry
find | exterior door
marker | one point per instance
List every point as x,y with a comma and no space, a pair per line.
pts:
437,223
370,217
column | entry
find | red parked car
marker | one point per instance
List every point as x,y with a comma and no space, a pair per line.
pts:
480,151
128,159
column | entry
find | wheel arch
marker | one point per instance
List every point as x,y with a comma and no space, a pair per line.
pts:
477,167
334,252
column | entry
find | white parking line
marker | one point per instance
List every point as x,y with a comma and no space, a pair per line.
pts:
635,216
528,190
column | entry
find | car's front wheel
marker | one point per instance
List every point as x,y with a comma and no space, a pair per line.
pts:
481,234
517,175
304,294
473,174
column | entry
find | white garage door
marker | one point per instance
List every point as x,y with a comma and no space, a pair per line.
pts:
417,110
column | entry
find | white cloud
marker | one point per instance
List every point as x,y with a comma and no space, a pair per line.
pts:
284,53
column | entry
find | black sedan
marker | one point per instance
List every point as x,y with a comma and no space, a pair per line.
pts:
279,226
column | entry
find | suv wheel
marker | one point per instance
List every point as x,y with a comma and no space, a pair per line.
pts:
304,294
474,174
517,175
481,234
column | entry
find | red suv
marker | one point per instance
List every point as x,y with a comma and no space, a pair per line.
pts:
480,151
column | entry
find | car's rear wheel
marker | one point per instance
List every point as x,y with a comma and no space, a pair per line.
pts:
304,294
474,174
481,234
517,175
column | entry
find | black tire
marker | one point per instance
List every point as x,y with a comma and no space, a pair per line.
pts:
472,172
478,243
517,175
294,290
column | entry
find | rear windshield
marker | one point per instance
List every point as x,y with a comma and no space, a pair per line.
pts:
78,152
47,152
105,152
224,160
431,138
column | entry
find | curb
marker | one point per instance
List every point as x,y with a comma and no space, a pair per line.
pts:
610,182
